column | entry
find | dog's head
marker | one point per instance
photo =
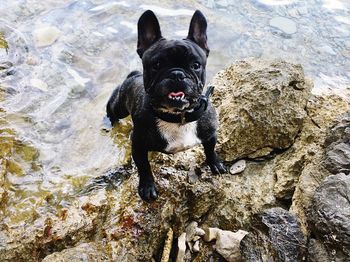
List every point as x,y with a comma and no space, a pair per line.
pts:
173,70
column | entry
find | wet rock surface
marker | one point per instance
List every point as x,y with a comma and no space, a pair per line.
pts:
270,198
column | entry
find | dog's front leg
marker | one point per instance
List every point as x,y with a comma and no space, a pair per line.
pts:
214,162
146,189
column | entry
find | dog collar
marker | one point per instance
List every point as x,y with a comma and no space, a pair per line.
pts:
187,116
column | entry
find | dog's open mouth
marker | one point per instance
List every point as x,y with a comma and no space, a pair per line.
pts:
177,96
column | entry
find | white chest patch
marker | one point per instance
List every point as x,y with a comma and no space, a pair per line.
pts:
179,137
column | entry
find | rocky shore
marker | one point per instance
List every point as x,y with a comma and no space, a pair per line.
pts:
288,201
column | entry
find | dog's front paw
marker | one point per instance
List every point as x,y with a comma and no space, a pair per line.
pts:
148,191
217,167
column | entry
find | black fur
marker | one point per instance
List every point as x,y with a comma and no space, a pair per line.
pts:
169,66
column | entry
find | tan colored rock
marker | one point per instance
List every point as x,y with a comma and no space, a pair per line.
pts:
195,247
181,245
228,244
322,111
46,35
261,106
167,246
210,233
89,252
192,231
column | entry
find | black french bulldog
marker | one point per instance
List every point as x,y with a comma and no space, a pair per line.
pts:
166,104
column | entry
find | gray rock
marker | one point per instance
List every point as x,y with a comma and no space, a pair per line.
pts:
276,236
337,153
238,167
329,216
316,252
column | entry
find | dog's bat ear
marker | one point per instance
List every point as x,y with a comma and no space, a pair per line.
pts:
198,31
148,30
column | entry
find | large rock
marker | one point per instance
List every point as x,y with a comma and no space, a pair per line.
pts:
276,236
131,229
337,155
329,216
261,105
322,111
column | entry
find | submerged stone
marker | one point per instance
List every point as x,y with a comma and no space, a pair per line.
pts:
284,24
3,42
46,35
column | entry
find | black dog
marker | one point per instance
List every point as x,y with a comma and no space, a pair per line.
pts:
166,104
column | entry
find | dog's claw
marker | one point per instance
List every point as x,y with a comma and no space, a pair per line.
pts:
148,192
217,168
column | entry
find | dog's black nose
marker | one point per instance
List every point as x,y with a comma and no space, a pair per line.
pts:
177,75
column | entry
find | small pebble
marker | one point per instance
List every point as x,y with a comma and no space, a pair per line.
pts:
181,244
238,167
196,238
211,233
195,247
31,60
46,35
38,83
192,177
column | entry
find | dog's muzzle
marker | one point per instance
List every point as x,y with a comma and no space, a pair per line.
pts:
188,115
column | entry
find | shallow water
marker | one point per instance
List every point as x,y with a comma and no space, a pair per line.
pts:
53,95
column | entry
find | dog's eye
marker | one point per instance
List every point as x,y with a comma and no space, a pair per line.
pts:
196,66
156,65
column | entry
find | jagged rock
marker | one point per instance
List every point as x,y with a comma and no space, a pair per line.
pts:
196,246
210,233
276,236
329,216
261,106
192,230
181,245
322,111
316,252
131,228
88,252
246,194
228,244
167,246
337,155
